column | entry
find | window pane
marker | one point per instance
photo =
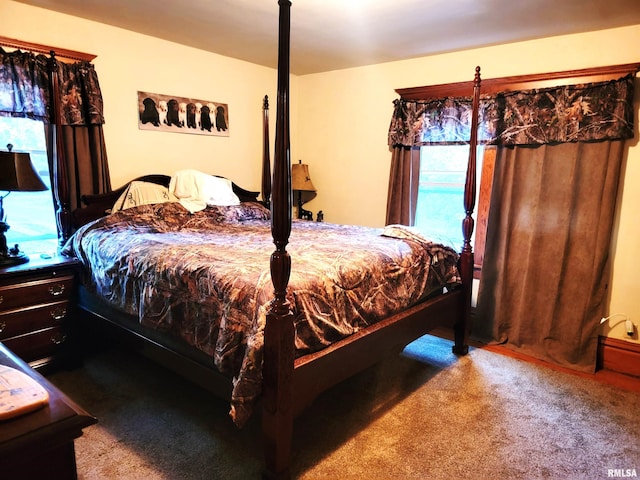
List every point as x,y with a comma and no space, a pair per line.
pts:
440,208
30,215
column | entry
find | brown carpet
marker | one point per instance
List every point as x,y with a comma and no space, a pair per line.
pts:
426,414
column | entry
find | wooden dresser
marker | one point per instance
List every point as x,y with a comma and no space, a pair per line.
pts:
40,444
37,303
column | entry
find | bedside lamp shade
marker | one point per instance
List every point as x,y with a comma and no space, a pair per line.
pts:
16,175
300,178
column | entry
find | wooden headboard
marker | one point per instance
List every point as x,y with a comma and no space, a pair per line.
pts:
97,206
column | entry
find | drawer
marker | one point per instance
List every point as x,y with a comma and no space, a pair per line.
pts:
30,319
37,345
36,291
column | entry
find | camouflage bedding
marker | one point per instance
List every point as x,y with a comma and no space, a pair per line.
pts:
205,277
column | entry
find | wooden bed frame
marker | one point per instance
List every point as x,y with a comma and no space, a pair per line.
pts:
290,384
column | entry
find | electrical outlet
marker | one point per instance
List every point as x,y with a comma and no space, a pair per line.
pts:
629,327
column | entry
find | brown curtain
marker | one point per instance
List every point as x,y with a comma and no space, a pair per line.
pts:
546,266
86,157
403,185
82,150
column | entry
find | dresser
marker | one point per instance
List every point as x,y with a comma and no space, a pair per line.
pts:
40,444
37,303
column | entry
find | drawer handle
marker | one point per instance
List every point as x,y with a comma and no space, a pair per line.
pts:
57,340
1,299
2,327
59,313
56,290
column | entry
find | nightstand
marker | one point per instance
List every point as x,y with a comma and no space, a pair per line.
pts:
37,303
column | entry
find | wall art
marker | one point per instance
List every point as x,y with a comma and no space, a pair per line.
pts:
166,113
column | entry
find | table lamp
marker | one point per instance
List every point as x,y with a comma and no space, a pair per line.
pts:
302,185
16,175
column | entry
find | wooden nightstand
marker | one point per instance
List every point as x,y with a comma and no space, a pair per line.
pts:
37,303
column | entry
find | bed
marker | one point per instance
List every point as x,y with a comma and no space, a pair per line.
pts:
299,343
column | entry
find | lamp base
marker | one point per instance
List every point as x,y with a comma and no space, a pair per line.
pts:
305,214
9,256
12,260
302,213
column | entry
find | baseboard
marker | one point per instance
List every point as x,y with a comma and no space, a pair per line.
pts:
619,356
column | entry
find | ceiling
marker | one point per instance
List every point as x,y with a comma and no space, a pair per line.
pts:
336,34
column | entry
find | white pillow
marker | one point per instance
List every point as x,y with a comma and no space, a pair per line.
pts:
195,190
219,191
143,193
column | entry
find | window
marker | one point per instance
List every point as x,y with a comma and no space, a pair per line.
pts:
30,215
440,208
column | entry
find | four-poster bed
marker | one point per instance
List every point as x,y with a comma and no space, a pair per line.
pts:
291,378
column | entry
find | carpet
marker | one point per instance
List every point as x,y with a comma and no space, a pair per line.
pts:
425,414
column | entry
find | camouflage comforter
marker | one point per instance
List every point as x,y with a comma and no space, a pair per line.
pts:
205,278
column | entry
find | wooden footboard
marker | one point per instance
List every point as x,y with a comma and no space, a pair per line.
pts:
317,372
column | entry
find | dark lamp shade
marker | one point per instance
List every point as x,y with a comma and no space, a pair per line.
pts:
17,173
300,179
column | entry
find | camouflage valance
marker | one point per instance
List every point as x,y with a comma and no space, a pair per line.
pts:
571,113
25,89
80,95
24,85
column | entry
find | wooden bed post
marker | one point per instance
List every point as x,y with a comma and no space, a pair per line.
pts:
461,328
277,416
266,156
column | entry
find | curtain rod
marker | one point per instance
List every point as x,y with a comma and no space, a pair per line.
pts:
60,53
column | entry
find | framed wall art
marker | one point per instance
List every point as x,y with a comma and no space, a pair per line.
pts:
166,113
